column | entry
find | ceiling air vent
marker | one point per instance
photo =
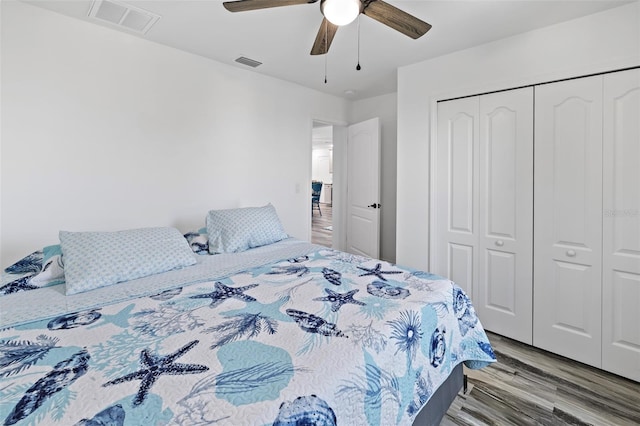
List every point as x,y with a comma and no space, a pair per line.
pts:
123,15
249,62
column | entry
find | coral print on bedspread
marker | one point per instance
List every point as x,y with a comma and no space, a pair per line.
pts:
323,338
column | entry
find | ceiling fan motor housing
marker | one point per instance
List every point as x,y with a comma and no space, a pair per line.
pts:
341,12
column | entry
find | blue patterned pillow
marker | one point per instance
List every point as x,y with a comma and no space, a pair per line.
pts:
236,230
99,259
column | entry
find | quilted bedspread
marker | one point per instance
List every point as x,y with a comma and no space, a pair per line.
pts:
321,338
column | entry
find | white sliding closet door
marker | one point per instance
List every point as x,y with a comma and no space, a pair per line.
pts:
457,194
568,219
504,299
621,224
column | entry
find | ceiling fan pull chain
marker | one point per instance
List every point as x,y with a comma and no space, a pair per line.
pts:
325,68
358,67
326,49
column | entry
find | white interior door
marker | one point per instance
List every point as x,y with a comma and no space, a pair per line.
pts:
456,201
504,299
568,219
621,225
363,188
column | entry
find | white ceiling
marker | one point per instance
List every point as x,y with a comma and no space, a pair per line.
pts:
281,38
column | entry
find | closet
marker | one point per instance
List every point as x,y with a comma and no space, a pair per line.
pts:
537,214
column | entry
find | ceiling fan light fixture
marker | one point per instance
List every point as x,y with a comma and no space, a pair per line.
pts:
340,12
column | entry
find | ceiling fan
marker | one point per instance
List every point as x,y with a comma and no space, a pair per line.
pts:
342,12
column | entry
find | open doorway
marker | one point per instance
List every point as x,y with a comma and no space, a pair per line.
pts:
322,184
346,158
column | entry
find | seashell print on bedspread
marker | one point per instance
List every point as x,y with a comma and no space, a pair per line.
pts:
322,338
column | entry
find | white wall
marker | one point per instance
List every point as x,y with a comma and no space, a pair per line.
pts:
604,41
321,167
385,108
105,131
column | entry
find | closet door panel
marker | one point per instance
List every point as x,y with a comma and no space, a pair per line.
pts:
460,263
621,224
457,196
504,299
568,218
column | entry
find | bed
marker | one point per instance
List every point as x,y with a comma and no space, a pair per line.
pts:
283,333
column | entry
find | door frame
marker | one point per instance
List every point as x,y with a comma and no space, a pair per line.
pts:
340,178
339,203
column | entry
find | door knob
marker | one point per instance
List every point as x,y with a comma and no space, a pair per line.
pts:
499,243
374,205
571,253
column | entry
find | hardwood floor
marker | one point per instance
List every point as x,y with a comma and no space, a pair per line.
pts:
320,234
528,386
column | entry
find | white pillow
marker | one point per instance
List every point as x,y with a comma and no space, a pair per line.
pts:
52,268
99,259
198,241
236,230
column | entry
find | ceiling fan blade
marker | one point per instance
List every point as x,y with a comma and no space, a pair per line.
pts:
395,18
245,5
324,37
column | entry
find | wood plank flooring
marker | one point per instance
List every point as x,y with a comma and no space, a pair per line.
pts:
528,386
319,224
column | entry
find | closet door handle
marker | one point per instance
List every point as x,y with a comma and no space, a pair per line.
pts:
571,253
499,243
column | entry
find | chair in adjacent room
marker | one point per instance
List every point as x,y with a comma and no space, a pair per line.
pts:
316,188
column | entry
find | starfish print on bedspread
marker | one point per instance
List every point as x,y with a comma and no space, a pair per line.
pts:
154,366
377,271
223,292
339,299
